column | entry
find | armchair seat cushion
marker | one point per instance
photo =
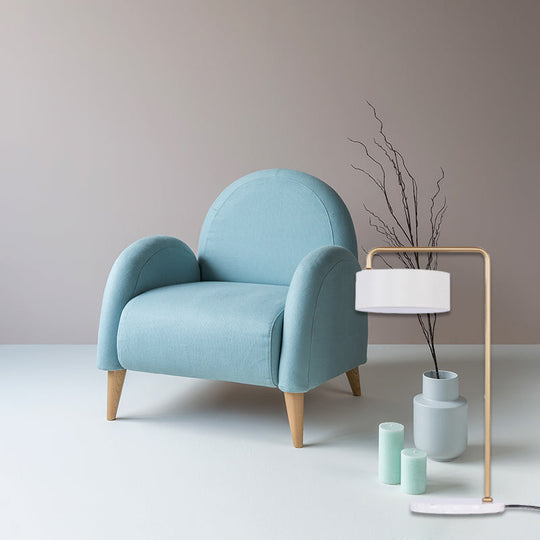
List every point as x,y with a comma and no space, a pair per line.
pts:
211,330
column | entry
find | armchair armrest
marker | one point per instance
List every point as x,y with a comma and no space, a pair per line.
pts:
147,264
323,335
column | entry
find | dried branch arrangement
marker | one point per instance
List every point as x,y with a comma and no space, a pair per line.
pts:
400,225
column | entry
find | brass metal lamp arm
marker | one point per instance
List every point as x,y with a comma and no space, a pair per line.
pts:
487,331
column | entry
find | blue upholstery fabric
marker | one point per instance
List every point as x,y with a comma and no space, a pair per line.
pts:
146,264
261,227
209,330
270,301
323,335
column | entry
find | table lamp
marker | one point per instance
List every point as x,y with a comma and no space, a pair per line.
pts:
404,290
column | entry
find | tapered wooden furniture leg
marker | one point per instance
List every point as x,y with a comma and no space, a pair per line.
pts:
295,412
115,381
354,381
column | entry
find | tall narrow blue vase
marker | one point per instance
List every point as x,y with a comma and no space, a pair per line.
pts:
440,417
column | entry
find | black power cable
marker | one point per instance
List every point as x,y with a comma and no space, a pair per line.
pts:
525,506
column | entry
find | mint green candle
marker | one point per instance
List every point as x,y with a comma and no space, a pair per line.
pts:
390,447
413,471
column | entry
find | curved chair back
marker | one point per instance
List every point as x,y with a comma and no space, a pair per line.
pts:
261,227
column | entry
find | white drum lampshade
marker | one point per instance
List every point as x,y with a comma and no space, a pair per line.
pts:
402,290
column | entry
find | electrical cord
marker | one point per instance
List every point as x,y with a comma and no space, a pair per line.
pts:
525,506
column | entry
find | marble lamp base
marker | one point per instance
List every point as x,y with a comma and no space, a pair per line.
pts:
434,505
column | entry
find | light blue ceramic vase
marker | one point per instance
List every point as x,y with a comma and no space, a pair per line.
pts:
440,417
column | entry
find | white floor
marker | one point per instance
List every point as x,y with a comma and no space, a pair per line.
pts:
199,459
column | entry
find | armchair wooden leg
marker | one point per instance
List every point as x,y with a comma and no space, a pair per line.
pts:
354,381
295,412
115,382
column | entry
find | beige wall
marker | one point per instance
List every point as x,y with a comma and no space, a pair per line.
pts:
125,119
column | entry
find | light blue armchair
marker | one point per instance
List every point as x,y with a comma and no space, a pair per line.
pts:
269,302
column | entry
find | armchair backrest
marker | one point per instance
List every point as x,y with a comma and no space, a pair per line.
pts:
261,227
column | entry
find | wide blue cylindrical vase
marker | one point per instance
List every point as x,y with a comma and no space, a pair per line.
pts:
440,417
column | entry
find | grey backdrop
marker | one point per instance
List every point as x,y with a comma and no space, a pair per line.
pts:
125,119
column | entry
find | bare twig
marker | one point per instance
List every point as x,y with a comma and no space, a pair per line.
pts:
405,230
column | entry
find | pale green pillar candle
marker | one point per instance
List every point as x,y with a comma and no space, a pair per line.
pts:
413,471
390,446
